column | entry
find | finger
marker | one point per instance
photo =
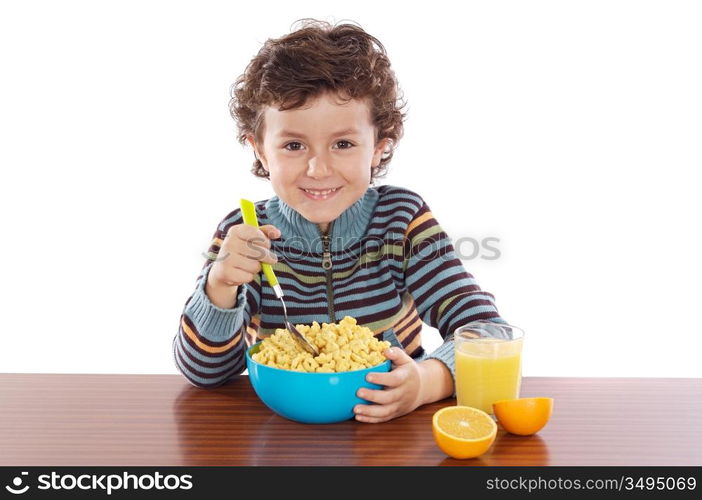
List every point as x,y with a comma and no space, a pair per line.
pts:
247,265
263,235
260,250
261,254
384,412
255,252
258,240
388,379
398,356
378,396
371,420
270,258
231,277
270,231
240,276
247,233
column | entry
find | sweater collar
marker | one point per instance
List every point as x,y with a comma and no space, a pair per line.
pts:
344,231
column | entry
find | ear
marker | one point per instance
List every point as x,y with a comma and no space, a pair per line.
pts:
250,139
259,155
383,145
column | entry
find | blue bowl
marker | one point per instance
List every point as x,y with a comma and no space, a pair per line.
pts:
311,398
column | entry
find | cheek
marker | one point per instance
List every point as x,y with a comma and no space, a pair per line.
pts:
361,174
282,174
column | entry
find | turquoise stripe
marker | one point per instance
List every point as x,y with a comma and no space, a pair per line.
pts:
236,361
305,264
397,229
456,305
444,291
309,262
466,314
389,195
365,295
372,308
429,266
323,299
313,264
309,290
213,323
364,287
367,286
183,345
293,288
234,219
200,381
290,300
394,206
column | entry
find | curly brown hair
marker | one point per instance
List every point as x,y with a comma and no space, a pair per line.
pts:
310,61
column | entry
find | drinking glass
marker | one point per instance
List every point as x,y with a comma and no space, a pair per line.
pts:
488,363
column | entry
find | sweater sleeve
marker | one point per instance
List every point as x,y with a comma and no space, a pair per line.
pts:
445,294
209,346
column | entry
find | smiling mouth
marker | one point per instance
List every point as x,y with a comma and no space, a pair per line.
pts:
320,191
321,194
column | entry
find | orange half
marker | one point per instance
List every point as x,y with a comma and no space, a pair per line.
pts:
463,431
524,416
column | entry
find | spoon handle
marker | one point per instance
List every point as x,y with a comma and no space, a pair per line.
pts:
249,213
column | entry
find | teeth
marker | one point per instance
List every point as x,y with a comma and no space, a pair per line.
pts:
321,193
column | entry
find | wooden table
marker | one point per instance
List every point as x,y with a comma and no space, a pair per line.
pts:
162,420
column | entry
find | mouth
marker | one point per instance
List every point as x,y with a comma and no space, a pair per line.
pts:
321,194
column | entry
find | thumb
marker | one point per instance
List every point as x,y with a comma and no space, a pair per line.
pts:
397,355
270,231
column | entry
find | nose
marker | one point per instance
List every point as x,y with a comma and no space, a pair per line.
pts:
318,167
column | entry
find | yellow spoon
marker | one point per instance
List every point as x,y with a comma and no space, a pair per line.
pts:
249,213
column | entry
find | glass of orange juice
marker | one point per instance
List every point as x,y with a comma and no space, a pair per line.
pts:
488,363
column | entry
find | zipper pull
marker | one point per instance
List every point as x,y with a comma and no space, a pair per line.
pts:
326,259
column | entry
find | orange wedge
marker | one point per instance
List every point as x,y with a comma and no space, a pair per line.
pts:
524,416
462,431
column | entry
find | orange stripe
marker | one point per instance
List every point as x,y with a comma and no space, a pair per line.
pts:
416,222
195,338
403,335
416,342
252,330
390,324
405,312
410,317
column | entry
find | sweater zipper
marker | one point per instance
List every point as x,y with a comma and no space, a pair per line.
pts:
327,265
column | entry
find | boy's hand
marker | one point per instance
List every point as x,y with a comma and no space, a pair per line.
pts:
239,261
402,393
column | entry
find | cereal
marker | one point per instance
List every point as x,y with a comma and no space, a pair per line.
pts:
342,347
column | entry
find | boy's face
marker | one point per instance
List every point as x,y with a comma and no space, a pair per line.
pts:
312,148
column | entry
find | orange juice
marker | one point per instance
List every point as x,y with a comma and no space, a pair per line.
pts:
487,370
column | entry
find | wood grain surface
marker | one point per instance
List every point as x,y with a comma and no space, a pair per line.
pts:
59,419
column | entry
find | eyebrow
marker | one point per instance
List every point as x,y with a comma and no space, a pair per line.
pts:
290,133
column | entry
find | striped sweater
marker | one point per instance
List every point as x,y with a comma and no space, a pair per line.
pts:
384,261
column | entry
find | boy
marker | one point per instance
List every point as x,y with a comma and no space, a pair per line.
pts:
319,107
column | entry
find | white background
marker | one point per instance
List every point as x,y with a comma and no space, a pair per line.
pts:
569,130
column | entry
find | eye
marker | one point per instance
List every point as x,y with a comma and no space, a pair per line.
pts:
290,143
299,145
